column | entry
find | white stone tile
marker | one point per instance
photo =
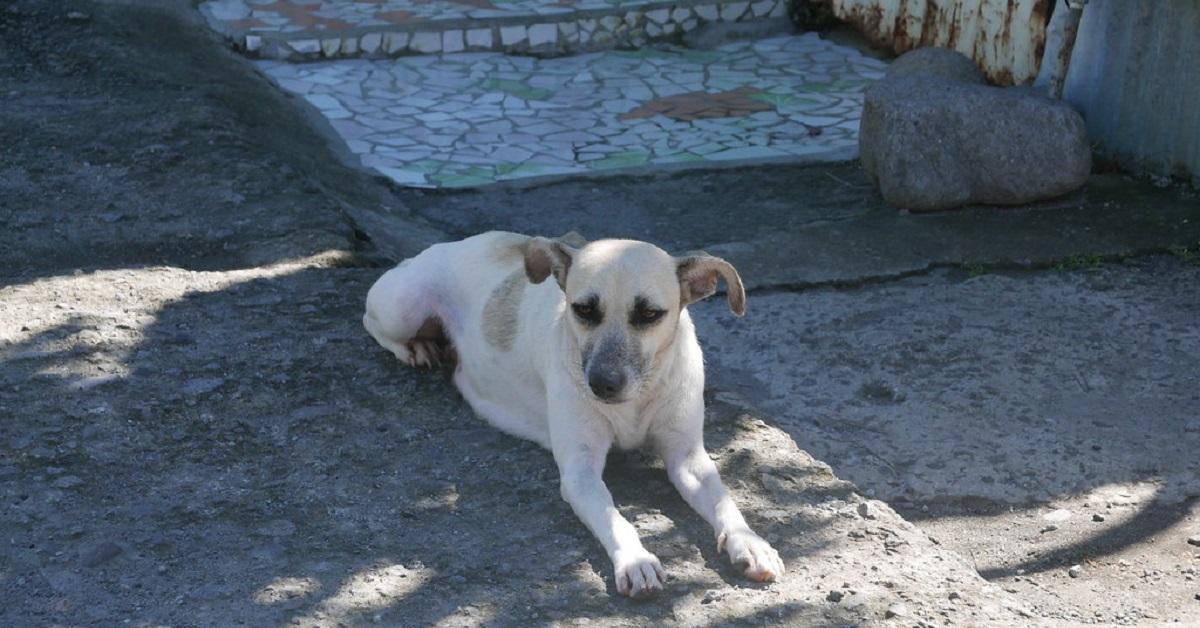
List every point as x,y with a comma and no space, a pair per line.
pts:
359,147
479,38
708,12
395,140
452,41
426,42
658,16
305,46
393,43
324,102
733,11
543,35
574,137
511,154
512,35
499,127
406,177
371,42
569,32
442,140
330,47
349,129
764,7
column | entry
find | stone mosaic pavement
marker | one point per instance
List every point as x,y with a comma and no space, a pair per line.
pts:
461,119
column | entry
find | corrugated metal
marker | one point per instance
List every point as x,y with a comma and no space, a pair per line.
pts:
1005,38
1135,77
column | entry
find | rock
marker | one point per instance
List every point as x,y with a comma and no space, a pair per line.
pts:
896,610
1194,540
1075,571
941,63
932,138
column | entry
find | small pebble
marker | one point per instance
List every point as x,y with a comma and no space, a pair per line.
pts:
896,610
1097,517
1194,540
1075,571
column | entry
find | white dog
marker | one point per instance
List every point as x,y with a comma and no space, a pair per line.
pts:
605,355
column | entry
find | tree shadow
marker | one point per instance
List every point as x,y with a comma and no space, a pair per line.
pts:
246,450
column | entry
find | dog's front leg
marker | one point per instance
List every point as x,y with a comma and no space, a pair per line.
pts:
695,476
580,461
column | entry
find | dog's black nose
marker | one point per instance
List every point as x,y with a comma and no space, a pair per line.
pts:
606,384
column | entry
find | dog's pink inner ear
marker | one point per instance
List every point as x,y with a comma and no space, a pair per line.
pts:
698,279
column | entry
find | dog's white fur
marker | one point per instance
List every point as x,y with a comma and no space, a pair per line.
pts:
604,355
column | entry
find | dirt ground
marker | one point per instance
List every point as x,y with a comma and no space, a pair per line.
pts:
197,432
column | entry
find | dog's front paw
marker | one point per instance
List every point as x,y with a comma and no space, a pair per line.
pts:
756,559
639,574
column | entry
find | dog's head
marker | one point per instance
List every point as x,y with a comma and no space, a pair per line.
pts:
624,299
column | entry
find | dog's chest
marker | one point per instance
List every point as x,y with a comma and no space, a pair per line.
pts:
630,427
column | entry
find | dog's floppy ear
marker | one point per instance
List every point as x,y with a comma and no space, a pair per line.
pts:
548,257
572,238
698,279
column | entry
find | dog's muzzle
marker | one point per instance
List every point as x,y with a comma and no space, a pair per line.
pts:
607,383
607,369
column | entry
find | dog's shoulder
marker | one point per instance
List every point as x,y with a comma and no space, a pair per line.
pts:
504,247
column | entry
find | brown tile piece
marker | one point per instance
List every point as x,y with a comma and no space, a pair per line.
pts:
700,105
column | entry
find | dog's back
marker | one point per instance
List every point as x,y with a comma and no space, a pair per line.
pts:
471,302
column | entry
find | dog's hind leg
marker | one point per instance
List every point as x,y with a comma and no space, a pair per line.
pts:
402,315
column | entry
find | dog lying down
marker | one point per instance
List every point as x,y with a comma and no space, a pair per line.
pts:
604,355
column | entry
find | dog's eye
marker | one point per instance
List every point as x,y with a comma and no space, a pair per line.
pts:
586,312
647,316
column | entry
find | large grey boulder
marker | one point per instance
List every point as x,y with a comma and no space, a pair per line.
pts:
942,63
935,136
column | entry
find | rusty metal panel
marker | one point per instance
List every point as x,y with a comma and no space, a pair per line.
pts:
1005,38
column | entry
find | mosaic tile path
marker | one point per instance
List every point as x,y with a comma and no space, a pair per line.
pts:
469,119
314,29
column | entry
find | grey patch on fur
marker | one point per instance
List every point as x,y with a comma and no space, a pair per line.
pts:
500,312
